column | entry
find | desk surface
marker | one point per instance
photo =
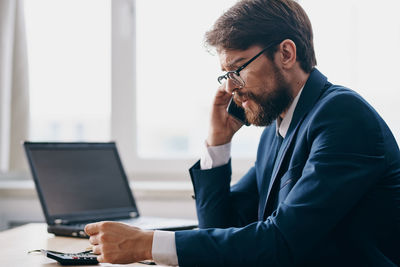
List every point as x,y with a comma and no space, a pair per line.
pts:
15,244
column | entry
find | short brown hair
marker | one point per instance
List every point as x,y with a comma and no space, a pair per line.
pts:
262,22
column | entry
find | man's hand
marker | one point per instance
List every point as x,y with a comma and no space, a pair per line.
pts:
116,242
223,126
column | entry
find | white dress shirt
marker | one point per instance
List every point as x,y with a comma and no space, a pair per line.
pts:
164,247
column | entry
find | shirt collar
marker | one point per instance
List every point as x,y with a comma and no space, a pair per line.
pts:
282,125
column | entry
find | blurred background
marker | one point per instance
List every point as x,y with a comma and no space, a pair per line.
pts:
137,72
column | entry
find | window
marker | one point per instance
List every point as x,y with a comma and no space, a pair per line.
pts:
69,58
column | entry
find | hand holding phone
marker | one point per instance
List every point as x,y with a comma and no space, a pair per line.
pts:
237,112
222,125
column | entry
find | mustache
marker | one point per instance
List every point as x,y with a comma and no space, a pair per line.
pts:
239,97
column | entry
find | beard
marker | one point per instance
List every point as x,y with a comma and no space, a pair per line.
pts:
269,105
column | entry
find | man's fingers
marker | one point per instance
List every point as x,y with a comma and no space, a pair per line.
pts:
94,240
92,228
100,258
96,250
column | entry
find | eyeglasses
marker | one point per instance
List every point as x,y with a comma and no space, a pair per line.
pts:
235,75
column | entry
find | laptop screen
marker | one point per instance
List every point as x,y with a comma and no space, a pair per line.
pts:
80,179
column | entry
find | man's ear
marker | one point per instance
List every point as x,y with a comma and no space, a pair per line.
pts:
287,53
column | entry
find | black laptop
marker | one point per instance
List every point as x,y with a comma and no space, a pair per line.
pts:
79,183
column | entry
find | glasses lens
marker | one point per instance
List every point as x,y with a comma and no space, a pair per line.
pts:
236,79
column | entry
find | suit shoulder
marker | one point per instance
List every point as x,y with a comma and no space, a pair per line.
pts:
343,117
339,101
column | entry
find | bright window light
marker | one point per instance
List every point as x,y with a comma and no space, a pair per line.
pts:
69,54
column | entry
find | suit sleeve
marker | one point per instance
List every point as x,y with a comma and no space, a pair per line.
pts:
345,160
220,205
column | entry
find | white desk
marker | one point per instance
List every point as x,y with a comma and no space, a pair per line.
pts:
15,244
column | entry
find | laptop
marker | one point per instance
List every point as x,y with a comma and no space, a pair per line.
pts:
79,183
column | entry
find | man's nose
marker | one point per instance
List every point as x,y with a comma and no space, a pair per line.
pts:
230,86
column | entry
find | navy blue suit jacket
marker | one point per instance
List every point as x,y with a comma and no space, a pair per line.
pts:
331,197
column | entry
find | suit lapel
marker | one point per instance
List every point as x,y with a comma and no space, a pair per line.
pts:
310,94
267,171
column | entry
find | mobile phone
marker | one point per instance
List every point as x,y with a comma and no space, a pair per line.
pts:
237,112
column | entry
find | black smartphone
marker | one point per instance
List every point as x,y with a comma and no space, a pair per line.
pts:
237,112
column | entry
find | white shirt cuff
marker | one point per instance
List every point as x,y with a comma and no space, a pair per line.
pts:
215,156
164,248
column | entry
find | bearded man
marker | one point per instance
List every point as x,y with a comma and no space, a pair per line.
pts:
325,187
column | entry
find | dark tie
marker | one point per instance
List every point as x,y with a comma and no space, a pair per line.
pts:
278,147
280,140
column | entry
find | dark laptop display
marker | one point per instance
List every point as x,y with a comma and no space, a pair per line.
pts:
85,182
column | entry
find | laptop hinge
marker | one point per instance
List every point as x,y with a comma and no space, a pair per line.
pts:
60,221
133,214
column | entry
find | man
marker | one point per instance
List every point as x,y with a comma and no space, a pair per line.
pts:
325,188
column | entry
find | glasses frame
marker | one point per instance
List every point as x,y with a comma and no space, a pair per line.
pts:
228,75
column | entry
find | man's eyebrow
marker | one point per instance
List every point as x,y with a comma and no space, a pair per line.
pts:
234,64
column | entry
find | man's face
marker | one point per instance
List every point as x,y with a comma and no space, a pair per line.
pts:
266,93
